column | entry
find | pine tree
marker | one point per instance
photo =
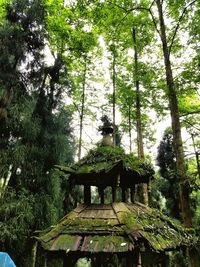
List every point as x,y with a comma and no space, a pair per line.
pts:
167,169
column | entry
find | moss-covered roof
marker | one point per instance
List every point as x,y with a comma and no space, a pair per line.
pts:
109,162
117,227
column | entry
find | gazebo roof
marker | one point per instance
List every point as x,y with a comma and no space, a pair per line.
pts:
103,166
116,227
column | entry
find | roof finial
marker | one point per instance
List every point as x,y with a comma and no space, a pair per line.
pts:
106,130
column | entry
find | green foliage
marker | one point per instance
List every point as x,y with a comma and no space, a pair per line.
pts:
35,130
16,215
196,200
16,220
178,259
168,184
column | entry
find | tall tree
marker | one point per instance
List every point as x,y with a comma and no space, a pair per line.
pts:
176,127
114,77
75,39
146,6
142,189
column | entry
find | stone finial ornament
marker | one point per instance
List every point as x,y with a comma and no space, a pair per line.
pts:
106,130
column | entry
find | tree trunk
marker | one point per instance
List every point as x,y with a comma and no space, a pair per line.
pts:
142,188
196,156
129,127
4,103
82,110
194,257
114,93
34,254
176,128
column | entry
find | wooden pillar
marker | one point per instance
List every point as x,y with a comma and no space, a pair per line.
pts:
124,194
133,194
165,262
139,260
130,260
114,193
87,194
45,261
96,261
69,260
101,192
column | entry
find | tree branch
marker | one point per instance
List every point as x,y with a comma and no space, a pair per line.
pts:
178,24
152,4
77,108
139,8
192,125
190,113
154,22
119,24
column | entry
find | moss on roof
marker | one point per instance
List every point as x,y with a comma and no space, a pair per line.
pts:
104,159
132,224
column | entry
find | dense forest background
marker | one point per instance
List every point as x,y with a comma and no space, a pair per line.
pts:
64,64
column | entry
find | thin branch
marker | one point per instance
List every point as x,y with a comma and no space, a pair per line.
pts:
121,7
178,24
192,125
77,108
120,23
197,91
189,154
139,8
190,113
152,4
154,22
92,140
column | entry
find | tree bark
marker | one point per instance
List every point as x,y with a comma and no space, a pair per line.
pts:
196,155
114,93
34,254
82,110
4,103
142,188
176,128
129,127
194,257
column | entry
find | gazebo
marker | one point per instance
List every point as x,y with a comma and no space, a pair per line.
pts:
123,230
